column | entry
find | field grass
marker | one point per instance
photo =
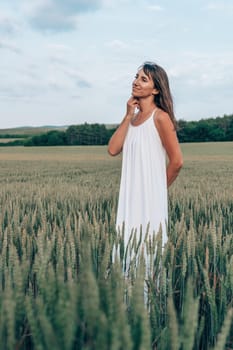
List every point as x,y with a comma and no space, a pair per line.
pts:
58,286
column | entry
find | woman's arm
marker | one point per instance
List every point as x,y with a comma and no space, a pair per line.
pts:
170,142
117,140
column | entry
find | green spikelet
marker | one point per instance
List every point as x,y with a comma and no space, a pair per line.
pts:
222,336
89,299
59,250
199,332
18,273
105,257
65,308
188,242
116,309
207,259
184,265
172,325
163,282
3,258
139,319
230,273
190,318
8,310
48,333
212,313
33,323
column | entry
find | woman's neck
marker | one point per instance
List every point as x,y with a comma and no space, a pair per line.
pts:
145,108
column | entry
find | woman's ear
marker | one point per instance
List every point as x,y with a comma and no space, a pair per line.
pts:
155,91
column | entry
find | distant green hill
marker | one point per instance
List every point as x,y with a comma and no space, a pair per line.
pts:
31,130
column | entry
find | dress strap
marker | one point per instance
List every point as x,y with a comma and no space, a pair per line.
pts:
154,112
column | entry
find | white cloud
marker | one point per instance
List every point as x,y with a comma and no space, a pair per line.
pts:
22,90
56,84
77,77
117,44
55,21
83,84
220,6
9,46
74,77
202,83
113,3
8,24
57,15
204,68
60,48
155,8
59,53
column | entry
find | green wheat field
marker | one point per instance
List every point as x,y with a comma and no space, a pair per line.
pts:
61,289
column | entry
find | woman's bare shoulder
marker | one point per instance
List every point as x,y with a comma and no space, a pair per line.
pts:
162,119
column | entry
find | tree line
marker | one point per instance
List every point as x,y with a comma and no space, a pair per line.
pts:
204,130
83,134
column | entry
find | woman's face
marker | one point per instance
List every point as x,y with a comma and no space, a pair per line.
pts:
143,85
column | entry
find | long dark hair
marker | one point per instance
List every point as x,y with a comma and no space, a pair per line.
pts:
164,98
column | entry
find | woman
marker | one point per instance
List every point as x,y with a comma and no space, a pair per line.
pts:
147,136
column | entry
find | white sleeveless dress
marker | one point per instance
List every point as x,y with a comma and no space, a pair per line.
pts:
143,189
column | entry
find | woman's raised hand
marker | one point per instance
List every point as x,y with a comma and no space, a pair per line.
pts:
132,104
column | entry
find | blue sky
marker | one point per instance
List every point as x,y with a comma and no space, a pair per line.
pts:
67,62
